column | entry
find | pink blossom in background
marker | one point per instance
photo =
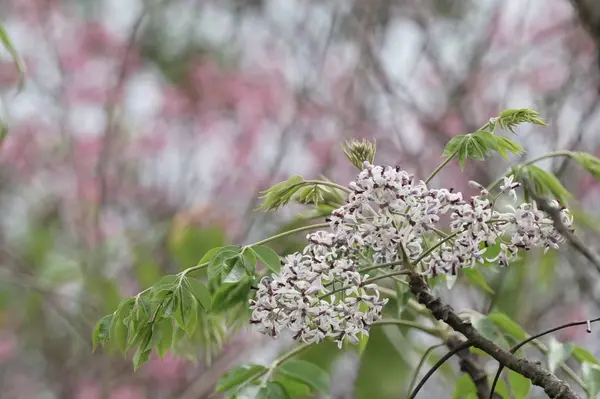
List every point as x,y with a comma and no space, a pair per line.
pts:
8,346
21,386
547,77
21,148
127,392
9,74
452,125
169,372
87,390
567,314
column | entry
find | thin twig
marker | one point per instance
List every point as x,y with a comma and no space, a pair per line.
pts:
438,364
421,363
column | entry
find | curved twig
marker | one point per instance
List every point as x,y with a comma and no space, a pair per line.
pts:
438,364
421,363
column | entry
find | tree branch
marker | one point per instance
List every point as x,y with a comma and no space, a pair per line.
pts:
554,214
554,387
468,364
588,12
533,337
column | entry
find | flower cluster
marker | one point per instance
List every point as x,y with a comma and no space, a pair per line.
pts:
387,216
301,296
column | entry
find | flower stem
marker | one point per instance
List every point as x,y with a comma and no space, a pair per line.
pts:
441,166
290,232
436,246
290,354
380,266
327,183
436,332
382,276
264,241
268,371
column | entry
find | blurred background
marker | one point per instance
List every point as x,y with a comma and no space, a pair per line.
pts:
147,128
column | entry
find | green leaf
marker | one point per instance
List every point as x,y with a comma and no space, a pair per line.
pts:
463,154
358,152
476,278
589,162
453,145
140,357
451,281
236,378
200,292
235,270
268,257
219,267
511,118
101,331
544,183
547,269
3,132
313,194
8,45
502,389
485,327
273,390
185,313
293,387
209,255
583,355
403,294
147,333
478,145
503,144
508,325
281,193
192,317
591,376
363,342
227,296
166,341
519,385
142,309
165,283
558,353
308,373
464,387
249,261
119,329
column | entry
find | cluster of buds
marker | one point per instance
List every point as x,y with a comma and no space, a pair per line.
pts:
321,293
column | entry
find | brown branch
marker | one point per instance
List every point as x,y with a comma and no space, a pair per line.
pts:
515,348
554,214
554,387
588,12
469,365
